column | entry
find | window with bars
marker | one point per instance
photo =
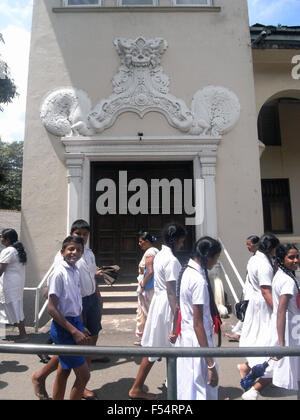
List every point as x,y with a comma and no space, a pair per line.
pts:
277,205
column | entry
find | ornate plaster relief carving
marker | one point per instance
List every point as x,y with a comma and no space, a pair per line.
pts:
216,110
140,86
64,113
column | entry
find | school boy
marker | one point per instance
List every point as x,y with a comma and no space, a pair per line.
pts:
65,307
91,308
91,298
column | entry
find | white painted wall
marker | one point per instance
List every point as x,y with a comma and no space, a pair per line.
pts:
76,49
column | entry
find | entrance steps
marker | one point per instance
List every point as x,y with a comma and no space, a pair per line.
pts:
119,299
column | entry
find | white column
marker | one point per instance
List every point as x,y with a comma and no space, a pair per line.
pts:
199,229
208,172
75,196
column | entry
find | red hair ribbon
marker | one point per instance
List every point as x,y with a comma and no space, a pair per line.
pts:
217,324
178,324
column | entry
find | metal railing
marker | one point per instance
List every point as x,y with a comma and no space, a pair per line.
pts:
37,312
171,354
234,269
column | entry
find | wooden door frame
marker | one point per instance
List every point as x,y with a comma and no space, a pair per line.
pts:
81,151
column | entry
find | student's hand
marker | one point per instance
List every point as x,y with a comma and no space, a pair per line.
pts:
277,358
99,273
86,332
213,378
80,338
172,338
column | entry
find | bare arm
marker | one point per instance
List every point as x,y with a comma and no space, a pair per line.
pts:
171,291
281,318
202,340
266,291
79,337
173,335
149,270
200,331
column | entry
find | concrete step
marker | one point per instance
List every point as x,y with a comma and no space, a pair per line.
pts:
111,308
119,299
119,296
119,287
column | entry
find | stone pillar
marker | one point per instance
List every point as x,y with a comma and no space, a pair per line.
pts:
75,197
199,229
208,172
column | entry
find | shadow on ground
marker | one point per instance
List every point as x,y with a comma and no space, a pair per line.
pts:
119,390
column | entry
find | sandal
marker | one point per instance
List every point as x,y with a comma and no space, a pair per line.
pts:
44,358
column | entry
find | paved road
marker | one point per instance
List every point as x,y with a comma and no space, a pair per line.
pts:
111,381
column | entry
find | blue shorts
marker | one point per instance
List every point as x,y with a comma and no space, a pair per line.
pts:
60,336
91,314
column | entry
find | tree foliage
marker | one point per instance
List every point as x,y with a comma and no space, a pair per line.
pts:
11,164
8,90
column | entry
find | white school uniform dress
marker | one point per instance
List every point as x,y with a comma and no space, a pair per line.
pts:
12,284
87,269
287,370
192,372
257,321
159,322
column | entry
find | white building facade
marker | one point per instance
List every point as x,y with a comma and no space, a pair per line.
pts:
147,90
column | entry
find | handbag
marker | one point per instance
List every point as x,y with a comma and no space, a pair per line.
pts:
240,309
110,274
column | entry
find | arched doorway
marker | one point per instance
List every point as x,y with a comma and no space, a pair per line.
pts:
279,130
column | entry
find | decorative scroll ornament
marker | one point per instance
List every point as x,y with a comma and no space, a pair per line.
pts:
64,113
216,110
140,86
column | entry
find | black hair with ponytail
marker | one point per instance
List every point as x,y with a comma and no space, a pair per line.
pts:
11,236
266,244
281,252
146,236
172,233
253,239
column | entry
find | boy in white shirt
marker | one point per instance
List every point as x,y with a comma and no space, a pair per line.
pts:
65,307
91,307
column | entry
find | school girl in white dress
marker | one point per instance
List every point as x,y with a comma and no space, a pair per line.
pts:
258,315
286,315
162,309
252,245
197,378
12,280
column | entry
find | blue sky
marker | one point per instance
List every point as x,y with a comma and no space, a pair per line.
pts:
274,12
15,25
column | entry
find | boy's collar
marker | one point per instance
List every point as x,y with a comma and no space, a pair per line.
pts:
66,265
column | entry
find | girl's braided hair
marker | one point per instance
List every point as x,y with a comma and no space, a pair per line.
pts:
266,244
204,248
172,233
281,252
